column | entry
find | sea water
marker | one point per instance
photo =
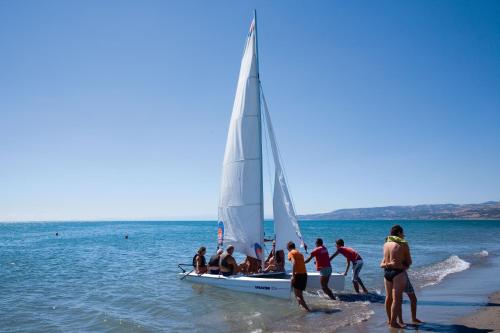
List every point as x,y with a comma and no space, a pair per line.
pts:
91,278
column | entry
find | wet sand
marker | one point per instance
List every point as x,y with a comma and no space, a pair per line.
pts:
487,319
458,304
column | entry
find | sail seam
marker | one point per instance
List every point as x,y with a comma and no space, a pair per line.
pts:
232,206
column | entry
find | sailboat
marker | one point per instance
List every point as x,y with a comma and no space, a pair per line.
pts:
241,203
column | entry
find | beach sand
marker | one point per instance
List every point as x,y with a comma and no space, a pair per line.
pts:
487,318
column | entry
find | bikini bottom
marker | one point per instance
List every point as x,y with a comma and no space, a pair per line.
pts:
390,273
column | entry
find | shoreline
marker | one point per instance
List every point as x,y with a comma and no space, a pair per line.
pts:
487,318
453,305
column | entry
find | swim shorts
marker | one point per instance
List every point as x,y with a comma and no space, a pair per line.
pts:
325,271
356,267
300,281
409,288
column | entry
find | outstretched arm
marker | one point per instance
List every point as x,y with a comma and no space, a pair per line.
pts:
308,259
334,255
348,265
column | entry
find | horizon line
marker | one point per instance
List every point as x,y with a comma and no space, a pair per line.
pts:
202,217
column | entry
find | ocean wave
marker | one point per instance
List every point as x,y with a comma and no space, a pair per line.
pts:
433,274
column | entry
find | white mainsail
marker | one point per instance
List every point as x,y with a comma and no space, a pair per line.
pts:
286,226
241,198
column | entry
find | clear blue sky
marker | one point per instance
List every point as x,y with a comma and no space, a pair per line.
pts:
120,109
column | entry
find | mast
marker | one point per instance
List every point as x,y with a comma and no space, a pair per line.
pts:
260,141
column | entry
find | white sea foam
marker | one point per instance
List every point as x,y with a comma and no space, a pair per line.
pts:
435,273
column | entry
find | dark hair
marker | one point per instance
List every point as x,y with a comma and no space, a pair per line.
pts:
290,245
319,241
339,242
396,230
201,249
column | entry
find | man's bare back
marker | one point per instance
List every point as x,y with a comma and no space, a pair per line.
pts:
394,256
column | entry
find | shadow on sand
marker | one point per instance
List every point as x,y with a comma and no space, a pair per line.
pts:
322,310
370,297
452,303
376,298
443,328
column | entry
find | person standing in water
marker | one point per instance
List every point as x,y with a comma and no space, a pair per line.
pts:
299,274
322,258
395,260
409,287
357,263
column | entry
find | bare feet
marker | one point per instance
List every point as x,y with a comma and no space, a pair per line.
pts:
396,325
417,321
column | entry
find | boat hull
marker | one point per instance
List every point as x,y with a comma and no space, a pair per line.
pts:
336,282
278,287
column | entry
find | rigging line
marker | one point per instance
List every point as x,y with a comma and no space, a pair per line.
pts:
280,158
268,163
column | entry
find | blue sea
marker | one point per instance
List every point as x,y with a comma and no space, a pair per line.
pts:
90,278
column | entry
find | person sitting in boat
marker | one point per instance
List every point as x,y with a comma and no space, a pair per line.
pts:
227,264
213,263
199,261
275,261
270,258
250,266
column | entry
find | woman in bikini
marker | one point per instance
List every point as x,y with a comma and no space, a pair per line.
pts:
395,256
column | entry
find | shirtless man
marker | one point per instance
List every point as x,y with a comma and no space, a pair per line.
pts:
396,259
227,264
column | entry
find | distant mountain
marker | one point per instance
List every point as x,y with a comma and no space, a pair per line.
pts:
484,211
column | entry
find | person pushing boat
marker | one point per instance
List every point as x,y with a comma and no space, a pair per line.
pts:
352,256
322,258
299,274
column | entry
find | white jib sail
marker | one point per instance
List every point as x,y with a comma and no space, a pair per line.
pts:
241,203
286,226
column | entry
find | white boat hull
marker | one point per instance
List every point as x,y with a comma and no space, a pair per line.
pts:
278,288
336,282
273,287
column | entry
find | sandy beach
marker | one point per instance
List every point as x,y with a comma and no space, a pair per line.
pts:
487,318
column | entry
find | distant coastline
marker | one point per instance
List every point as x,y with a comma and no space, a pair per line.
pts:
483,211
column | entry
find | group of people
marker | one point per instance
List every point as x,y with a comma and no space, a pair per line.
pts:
224,263
323,266
396,261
